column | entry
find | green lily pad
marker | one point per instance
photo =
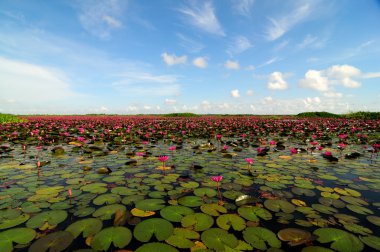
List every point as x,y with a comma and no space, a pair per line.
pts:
150,204
15,235
218,239
98,188
359,209
11,218
175,213
190,184
182,237
341,240
374,220
119,236
52,218
89,227
205,191
106,212
355,228
83,212
259,237
213,209
190,201
294,236
156,247
161,228
108,198
198,221
252,213
279,205
57,242
354,201
324,209
226,221
371,241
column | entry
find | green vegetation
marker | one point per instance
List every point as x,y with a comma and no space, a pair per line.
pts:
319,114
352,115
7,118
180,115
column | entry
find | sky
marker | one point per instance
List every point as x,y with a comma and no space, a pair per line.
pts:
205,57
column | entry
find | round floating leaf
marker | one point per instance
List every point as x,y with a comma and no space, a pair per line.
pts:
150,204
141,213
374,219
279,205
213,209
119,236
190,201
359,209
354,201
15,235
294,236
156,247
161,228
56,242
181,238
259,236
175,213
357,229
226,221
108,198
218,239
341,240
205,191
324,209
11,218
106,212
199,221
83,212
190,185
252,213
371,241
51,218
89,227
98,188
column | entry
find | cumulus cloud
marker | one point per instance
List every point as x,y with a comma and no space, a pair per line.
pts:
276,81
309,102
249,92
332,94
172,59
170,102
315,80
235,93
200,62
201,14
234,65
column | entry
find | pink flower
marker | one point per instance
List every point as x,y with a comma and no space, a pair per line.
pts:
314,143
342,136
172,148
70,193
163,158
218,136
139,154
39,148
272,142
320,148
225,147
249,160
293,151
341,146
327,153
314,136
259,150
145,142
217,178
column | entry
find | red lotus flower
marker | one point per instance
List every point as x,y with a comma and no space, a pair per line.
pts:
172,148
70,193
327,153
139,154
341,146
293,151
272,142
225,147
314,143
217,178
163,158
218,136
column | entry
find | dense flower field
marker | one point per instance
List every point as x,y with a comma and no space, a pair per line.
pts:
150,183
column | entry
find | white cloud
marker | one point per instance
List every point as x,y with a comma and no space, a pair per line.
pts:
282,24
205,105
147,107
315,80
29,83
267,100
200,62
201,15
332,94
170,102
234,65
235,93
343,71
371,75
243,7
239,45
100,18
276,81
249,92
270,61
310,41
250,68
189,44
172,59
311,102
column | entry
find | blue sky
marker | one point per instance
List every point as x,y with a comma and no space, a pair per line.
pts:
227,56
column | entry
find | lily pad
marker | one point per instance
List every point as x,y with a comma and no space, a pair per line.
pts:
279,205
88,227
106,212
182,237
371,241
213,209
119,236
51,218
198,221
108,198
226,221
141,213
175,213
294,236
190,201
11,218
260,238
341,240
15,235
217,239
252,213
205,191
374,220
161,228
57,242
156,247
150,204
359,209
95,188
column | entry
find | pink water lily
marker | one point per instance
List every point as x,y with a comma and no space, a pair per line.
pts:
249,160
272,142
139,154
217,178
70,192
341,146
327,153
172,148
163,158
225,147
293,151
